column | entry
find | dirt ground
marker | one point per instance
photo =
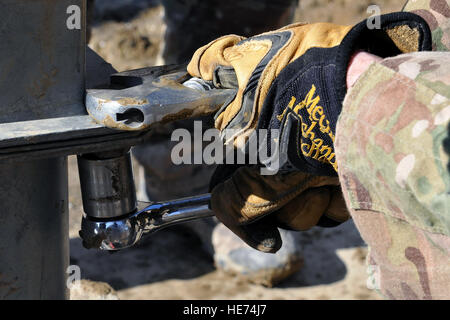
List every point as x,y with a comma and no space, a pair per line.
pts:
171,263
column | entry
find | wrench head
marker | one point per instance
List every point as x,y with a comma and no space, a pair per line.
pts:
139,98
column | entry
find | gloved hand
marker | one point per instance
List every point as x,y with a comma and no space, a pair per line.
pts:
254,205
292,80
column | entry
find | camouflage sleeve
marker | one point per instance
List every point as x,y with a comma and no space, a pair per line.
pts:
437,15
394,174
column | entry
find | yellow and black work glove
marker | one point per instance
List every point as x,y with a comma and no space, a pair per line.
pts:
293,81
254,205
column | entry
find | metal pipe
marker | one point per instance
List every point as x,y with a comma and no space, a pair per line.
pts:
34,230
43,78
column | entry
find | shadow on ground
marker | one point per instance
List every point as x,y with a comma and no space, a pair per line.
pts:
176,253
322,265
167,254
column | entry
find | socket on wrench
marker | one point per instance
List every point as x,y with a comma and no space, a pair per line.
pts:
123,232
114,219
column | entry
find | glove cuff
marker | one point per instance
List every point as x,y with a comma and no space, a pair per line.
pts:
397,33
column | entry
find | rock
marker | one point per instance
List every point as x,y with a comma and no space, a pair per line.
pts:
92,290
232,255
130,45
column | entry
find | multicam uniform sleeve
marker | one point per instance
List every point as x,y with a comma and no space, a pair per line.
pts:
391,145
394,173
437,15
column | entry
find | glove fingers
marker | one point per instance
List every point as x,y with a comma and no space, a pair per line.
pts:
207,58
261,235
222,173
243,196
337,212
228,201
324,206
305,211
244,201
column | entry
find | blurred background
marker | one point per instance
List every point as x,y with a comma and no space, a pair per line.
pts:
170,264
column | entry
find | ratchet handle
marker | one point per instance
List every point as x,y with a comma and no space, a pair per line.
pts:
164,214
